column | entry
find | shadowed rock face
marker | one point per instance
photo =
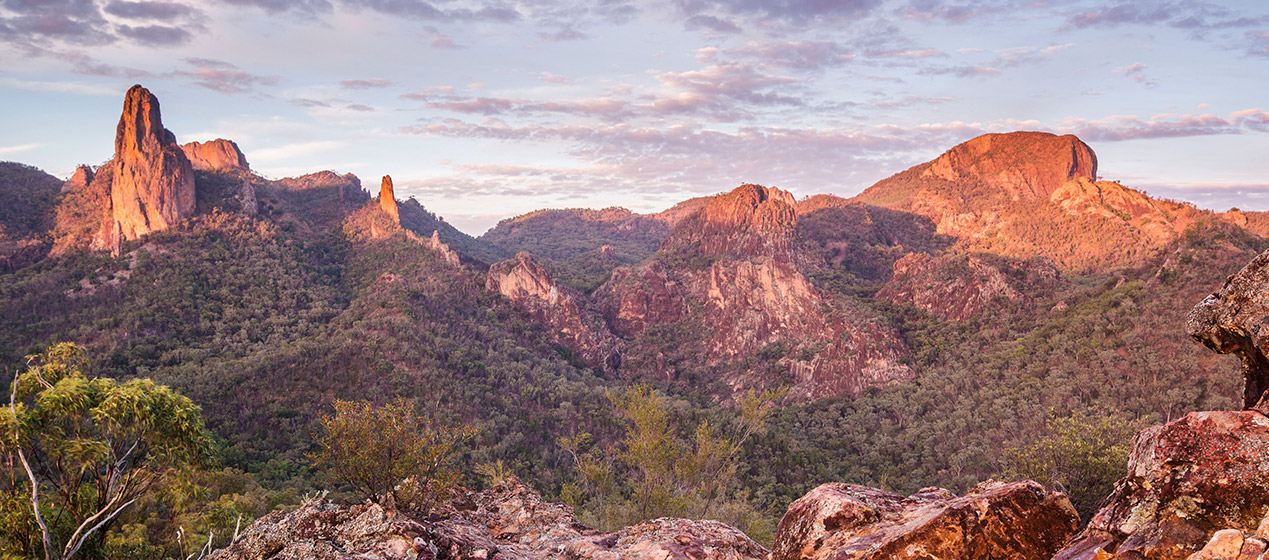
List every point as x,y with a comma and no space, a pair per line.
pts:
507,522
1015,521
153,182
729,275
216,155
1186,480
560,308
1235,320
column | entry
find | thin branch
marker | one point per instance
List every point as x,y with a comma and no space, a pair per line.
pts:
89,533
35,484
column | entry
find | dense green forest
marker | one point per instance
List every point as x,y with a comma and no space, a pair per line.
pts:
264,321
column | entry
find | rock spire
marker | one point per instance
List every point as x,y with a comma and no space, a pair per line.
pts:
387,199
153,184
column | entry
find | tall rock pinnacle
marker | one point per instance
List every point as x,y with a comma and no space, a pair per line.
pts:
387,199
153,185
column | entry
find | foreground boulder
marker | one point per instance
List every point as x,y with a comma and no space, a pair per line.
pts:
1187,481
1015,521
1235,320
507,522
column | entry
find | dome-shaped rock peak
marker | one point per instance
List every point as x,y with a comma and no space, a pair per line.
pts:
216,155
1022,164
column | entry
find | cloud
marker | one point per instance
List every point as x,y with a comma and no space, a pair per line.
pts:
307,8
907,53
793,55
1259,43
372,83
780,12
1168,125
223,77
419,9
10,150
287,151
158,11
155,35
565,34
1197,17
1137,72
481,105
710,23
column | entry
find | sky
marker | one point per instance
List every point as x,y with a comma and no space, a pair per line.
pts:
487,109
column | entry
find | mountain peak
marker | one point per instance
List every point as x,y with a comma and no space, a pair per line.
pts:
388,200
749,220
1022,164
153,186
216,155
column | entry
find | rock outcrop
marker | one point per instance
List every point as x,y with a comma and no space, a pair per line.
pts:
1024,164
153,181
1187,480
216,155
387,199
1026,194
1014,521
1235,320
957,287
561,309
80,179
507,522
729,278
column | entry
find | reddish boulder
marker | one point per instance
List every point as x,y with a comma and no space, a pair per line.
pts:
153,182
1186,481
1013,521
1235,320
216,155
560,308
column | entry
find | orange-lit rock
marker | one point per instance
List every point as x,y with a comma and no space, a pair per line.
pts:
1015,521
153,183
216,155
387,199
1186,481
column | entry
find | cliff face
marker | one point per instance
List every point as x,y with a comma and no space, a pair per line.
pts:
1026,194
153,182
216,155
729,275
1021,164
560,308
1235,320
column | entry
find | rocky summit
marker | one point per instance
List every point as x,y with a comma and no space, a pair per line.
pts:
387,199
152,185
216,155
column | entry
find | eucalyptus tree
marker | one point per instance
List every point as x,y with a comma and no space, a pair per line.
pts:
85,449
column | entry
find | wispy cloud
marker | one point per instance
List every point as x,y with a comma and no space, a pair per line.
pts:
10,150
